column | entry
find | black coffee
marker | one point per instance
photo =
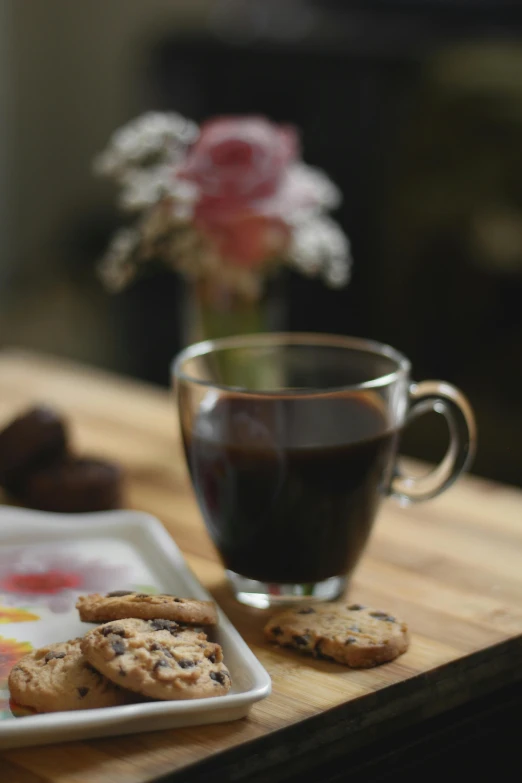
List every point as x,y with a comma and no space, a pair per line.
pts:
289,487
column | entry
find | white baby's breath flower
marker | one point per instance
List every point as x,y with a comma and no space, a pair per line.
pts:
319,246
323,194
152,137
303,193
184,196
117,268
143,188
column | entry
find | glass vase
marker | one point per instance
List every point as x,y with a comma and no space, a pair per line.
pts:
214,310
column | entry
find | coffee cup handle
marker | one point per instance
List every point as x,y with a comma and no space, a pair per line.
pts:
440,397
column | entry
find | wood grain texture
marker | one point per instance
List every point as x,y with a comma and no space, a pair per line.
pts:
452,568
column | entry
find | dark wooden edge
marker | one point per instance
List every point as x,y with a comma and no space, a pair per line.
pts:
349,727
476,741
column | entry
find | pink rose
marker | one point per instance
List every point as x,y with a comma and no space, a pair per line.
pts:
237,161
251,188
237,164
246,238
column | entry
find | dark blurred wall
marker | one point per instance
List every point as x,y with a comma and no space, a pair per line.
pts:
70,74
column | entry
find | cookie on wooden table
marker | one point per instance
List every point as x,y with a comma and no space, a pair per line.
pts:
158,658
350,634
124,604
59,677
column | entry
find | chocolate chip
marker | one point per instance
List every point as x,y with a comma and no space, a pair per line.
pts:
351,640
51,655
82,692
218,677
179,600
141,595
212,657
118,593
122,672
164,625
382,616
355,607
159,664
118,646
91,669
157,647
318,653
116,630
277,631
302,641
186,664
309,610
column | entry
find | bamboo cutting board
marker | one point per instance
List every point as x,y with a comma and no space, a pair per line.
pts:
452,568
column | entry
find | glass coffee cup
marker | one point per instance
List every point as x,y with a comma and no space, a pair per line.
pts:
291,442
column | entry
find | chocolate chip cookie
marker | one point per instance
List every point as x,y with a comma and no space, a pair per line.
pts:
350,634
123,604
158,658
59,677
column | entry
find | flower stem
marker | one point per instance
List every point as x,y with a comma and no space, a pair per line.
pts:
241,317
247,319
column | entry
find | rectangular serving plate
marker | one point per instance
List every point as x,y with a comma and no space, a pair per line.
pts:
100,552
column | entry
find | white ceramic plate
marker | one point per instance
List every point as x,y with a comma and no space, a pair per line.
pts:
46,561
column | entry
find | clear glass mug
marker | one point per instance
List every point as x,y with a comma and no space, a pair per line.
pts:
291,443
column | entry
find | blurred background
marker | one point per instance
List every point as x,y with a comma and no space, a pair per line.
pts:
413,108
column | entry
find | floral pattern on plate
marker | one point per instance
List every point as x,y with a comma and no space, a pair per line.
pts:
16,615
32,577
11,650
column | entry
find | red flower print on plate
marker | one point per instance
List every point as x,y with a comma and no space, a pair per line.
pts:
11,650
31,576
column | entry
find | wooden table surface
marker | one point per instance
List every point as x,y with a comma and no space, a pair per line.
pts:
451,567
